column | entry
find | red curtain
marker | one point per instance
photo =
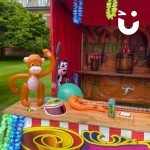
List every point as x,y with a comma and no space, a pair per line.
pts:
94,12
69,34
65,31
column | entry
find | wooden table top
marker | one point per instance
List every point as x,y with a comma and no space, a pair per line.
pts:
141,120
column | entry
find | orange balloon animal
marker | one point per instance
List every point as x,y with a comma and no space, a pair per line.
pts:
34,63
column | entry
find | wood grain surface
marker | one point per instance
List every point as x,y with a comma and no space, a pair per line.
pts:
141,120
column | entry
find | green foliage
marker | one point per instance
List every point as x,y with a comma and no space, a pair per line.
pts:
20,28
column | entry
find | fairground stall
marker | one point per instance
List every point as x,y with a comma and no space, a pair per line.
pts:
100,94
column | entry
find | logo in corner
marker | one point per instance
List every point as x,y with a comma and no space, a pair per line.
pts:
121,23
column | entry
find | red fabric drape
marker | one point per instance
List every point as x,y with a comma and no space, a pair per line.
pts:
69,34
94,12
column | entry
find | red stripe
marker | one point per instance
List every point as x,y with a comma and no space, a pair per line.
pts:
54,123
139,136
74,127
36,122
93,128
114,131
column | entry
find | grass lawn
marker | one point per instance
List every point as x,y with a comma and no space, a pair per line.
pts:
10,66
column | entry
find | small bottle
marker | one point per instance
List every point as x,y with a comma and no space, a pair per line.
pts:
95,62
111,108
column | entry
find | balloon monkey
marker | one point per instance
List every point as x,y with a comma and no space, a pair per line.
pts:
34,63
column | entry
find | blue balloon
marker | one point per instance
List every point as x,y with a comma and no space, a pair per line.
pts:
68,89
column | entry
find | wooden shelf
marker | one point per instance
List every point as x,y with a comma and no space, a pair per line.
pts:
111,73
141,120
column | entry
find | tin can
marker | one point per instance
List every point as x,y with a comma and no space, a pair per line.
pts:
111,107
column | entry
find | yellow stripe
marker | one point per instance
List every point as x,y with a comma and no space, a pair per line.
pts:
52,138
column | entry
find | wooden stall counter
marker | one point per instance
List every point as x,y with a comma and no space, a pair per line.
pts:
141,121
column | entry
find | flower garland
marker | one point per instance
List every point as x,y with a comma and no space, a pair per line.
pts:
77,11
11,132
111,9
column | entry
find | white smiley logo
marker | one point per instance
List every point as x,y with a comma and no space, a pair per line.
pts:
121,24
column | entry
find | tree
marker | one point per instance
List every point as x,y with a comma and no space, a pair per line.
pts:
20,28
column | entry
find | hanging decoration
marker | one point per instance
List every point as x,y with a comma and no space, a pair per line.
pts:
11,132
111,9
77,11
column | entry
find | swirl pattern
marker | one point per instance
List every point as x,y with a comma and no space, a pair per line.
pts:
95,138
50,138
